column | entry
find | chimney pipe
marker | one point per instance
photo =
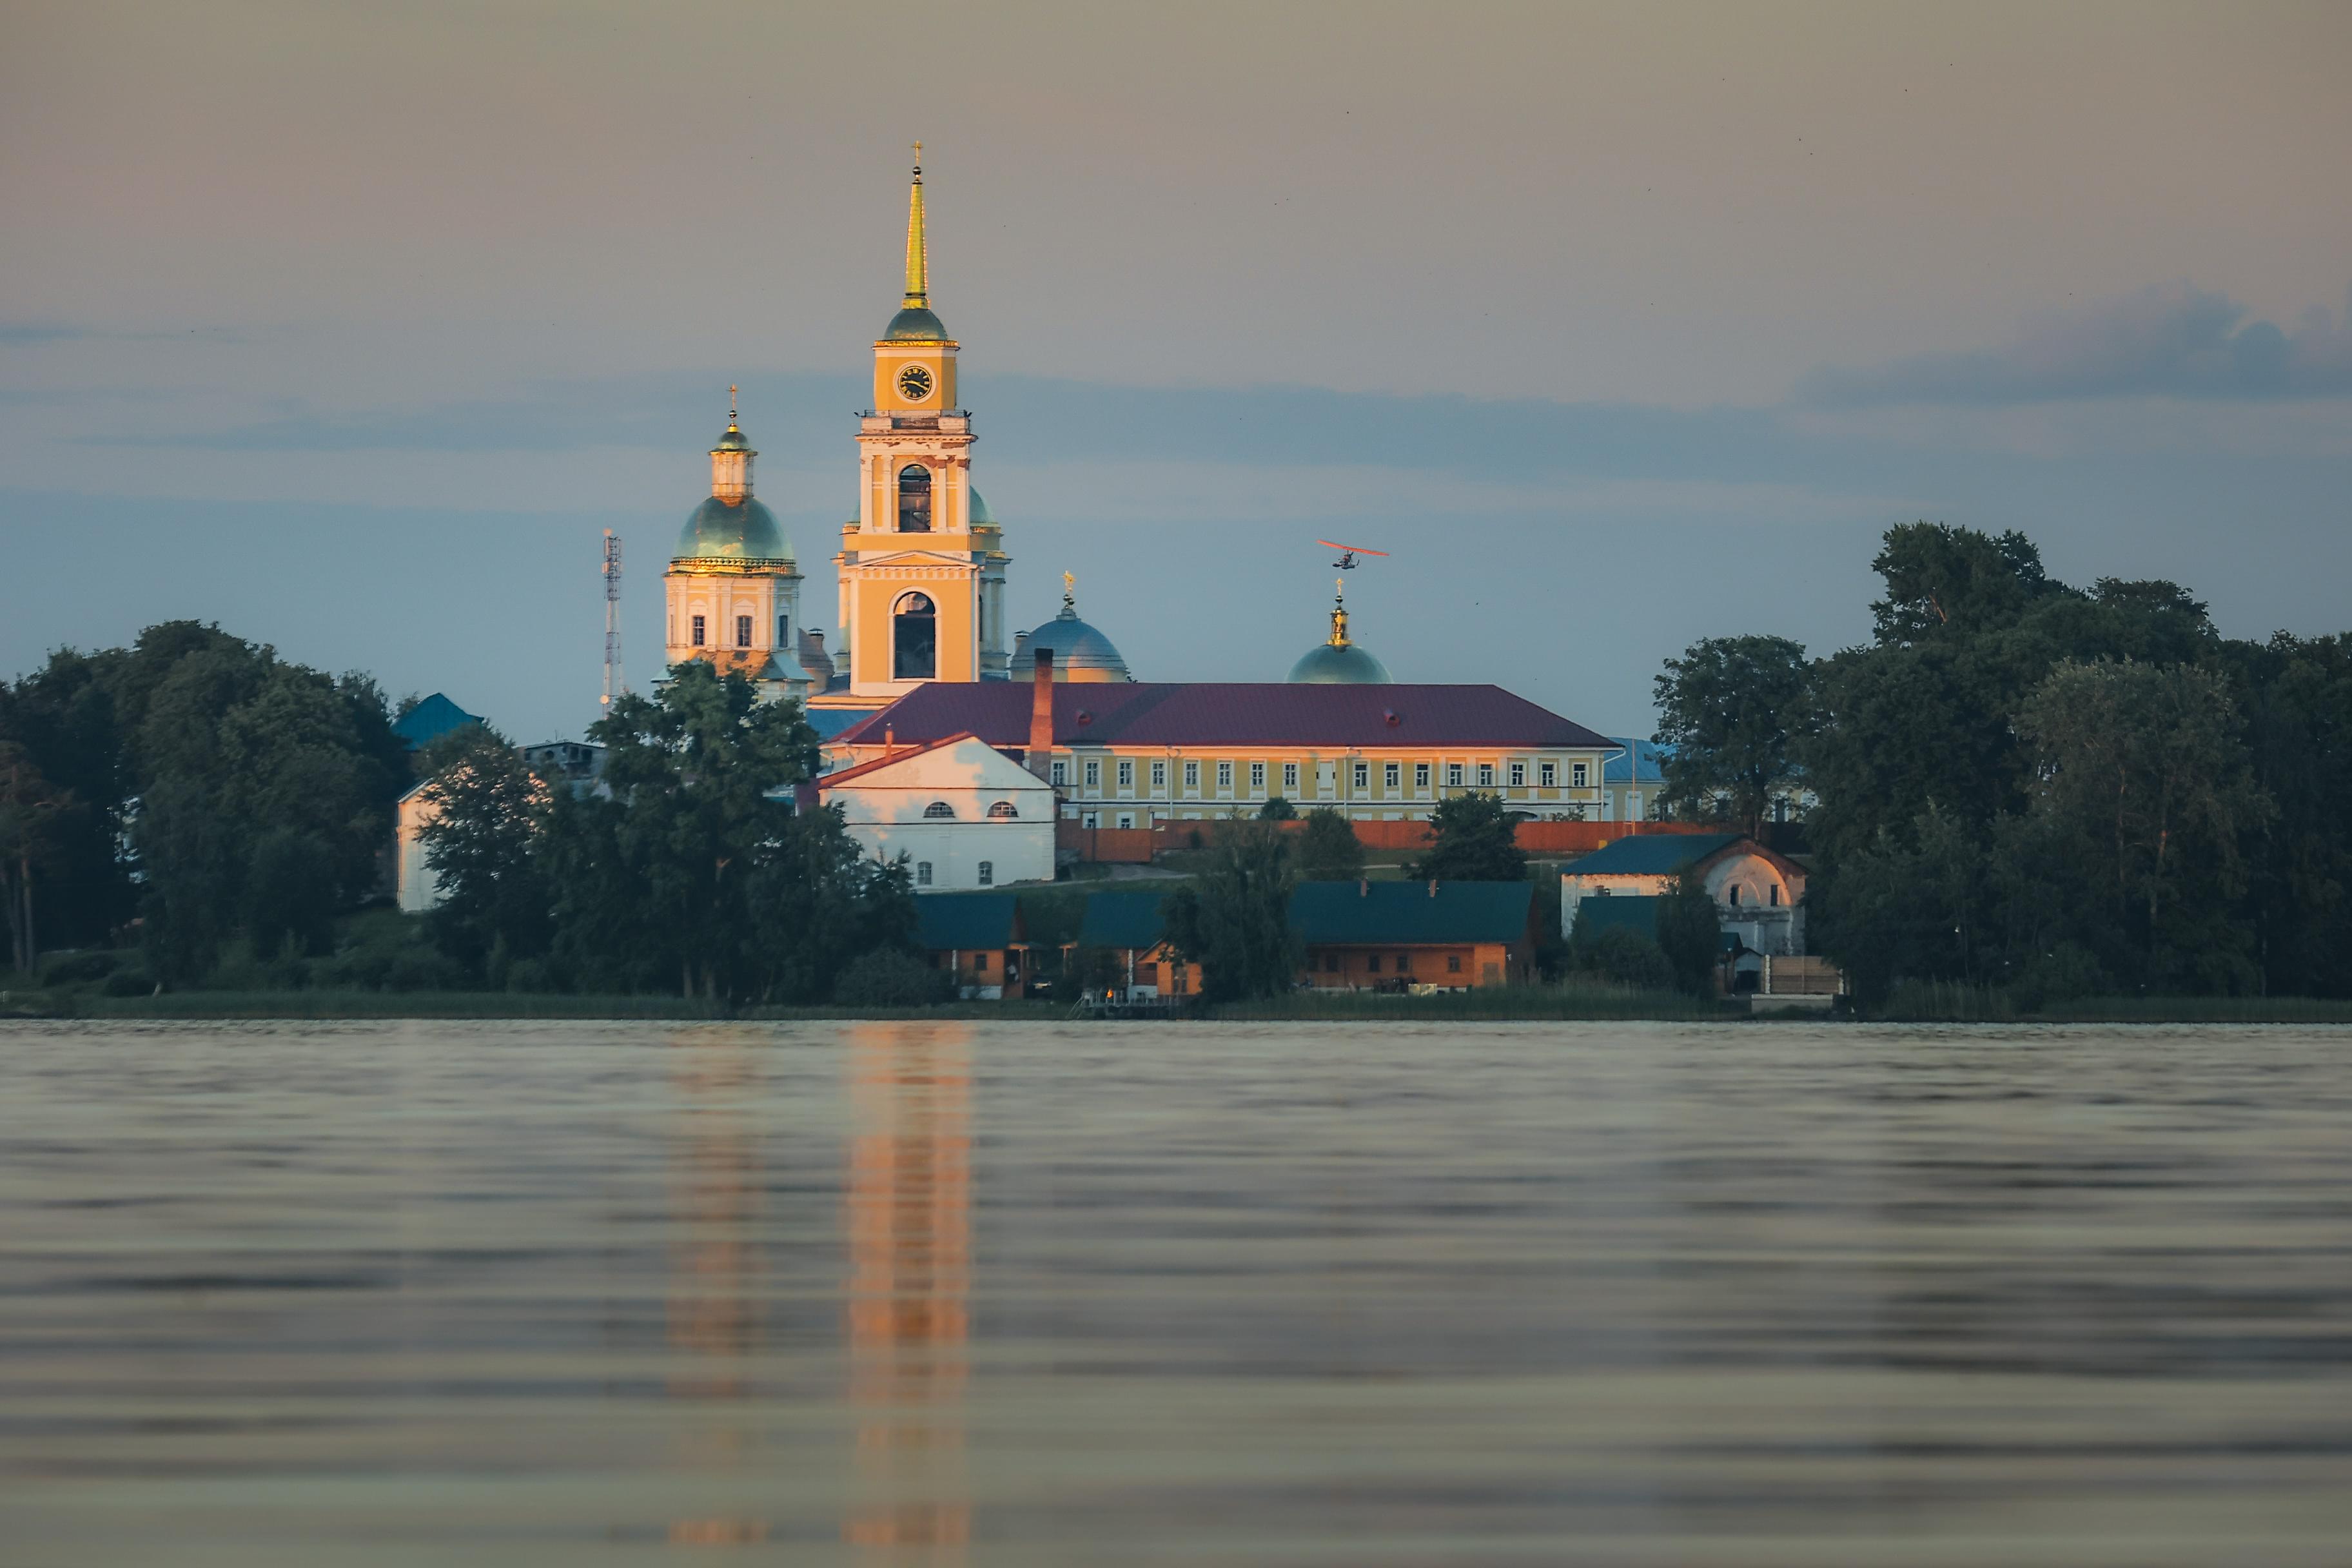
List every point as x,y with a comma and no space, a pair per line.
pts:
1041,716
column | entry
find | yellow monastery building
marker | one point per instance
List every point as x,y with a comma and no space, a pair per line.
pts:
924,656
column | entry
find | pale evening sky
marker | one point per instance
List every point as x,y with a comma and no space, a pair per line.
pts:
353,326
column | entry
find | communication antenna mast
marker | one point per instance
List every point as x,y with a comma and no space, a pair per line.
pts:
615,683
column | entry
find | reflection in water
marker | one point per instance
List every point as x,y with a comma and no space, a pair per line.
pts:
713,1307
907,1211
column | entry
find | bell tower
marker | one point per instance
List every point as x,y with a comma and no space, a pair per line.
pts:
921,570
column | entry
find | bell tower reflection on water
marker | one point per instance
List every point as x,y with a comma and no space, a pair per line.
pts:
906,1210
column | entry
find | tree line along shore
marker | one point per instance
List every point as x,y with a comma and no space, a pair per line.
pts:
2019,799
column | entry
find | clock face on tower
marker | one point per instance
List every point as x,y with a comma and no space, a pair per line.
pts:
914,384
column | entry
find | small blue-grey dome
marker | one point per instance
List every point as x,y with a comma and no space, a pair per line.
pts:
1078,649
1344,665
980,515
747,531
915,324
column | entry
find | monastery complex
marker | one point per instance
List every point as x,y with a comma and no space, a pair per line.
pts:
923,661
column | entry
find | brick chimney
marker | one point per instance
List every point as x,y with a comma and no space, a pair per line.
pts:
1041,716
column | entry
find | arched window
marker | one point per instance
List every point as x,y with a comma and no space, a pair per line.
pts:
1775,891
939,808
988,873
914,499
1733,891
915,639
1003,809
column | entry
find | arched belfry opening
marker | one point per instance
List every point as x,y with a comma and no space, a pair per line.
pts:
915,639
914,499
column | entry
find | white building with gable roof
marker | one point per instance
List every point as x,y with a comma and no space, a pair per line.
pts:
964,813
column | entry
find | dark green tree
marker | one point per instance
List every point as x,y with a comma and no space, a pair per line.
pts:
1473,839
486,818
232,744
819,903
32,811
1733,710
62,717
1944,582
1277,809
1235,920
662,873
2142,769
1327,850
2297,694
1690,935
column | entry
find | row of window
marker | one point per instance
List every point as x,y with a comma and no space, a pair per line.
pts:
923,873
1457,774
1404,963
940,810
700,632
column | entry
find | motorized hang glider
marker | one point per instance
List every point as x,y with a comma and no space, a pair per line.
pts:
1348,554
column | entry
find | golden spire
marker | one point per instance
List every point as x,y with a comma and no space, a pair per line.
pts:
1339,613
731,406
1069,593
919,258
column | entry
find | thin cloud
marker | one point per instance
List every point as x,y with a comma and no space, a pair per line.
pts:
2169,341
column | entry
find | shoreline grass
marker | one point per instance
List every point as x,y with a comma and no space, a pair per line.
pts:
1911,1005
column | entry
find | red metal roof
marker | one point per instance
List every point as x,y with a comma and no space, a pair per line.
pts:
1226,713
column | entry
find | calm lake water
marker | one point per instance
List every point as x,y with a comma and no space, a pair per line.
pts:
866,1294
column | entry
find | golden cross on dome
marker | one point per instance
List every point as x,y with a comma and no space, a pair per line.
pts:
731,403
1069,583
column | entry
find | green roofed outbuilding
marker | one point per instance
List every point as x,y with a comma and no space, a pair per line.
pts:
978,939
1402,936
1128,926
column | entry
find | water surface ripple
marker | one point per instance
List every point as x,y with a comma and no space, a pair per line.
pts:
373,1293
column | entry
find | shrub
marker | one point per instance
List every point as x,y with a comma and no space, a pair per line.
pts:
1626,958
886,978
2065,971
129,983
77,968
422,968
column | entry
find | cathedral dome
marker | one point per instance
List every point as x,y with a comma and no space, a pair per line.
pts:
981,515
745,532
915,324
1080,652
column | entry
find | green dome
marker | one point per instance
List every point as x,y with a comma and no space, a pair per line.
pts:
980,515
715,531
733,441
1327,665
916,325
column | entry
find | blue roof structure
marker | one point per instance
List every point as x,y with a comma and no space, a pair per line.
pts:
830,722
1642,762
1649,855
967,922
1391,914
430,719
1130,918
